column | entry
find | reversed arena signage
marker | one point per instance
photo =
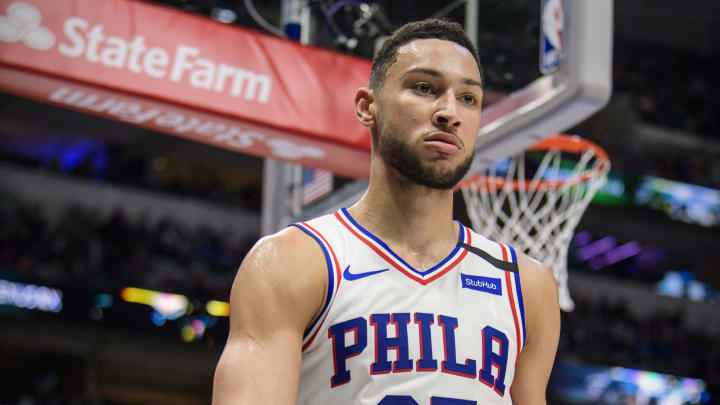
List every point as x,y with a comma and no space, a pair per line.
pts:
196,125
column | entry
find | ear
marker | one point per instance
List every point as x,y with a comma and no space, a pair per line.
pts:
365,106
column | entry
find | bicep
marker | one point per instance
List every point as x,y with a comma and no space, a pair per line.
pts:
543,321
252,372
271,303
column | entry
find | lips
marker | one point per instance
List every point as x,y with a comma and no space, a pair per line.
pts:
443,142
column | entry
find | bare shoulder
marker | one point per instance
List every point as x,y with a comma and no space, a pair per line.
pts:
536,278
288,251
283,274
540,297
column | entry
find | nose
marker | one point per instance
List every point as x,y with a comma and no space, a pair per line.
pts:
446,113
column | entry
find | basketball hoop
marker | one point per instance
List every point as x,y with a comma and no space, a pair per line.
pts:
534,200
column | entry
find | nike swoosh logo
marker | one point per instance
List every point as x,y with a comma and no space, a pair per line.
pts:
356,276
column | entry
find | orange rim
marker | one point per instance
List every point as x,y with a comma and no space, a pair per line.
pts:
563,142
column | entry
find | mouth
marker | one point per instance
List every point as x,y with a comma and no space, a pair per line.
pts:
443,142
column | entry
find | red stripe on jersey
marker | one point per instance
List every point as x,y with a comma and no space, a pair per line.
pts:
393,262
338,275
332,252
511,297
504,252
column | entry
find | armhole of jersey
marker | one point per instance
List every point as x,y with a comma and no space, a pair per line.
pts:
518,296
334,276
512,280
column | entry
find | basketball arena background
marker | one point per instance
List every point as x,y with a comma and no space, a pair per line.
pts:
124,217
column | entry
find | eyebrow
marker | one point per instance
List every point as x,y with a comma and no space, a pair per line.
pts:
433,72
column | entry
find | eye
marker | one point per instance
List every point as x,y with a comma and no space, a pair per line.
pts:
469,99
423,88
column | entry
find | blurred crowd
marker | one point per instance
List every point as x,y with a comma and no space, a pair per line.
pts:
58,399
670,88
119,163
670,91
609,334
634,156
99,251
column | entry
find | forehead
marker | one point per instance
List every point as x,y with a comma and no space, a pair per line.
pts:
444,56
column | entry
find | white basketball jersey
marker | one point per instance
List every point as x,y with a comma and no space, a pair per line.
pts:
391,334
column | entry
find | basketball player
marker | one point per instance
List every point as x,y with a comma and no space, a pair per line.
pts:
390,301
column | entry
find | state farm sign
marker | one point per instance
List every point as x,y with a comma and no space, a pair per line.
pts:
184,63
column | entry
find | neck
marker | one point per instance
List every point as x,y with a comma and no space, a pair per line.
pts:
409,216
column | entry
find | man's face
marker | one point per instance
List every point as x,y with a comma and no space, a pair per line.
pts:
428,112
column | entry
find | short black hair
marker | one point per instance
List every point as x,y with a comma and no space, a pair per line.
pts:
431,28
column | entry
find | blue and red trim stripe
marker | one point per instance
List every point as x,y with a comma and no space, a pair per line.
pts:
384,251
512,280
334,277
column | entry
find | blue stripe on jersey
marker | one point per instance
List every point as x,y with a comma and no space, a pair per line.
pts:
518,292
331,277
398,258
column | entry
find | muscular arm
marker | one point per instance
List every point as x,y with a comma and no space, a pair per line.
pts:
543,331
279,289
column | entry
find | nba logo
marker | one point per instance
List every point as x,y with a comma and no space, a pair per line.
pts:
552,14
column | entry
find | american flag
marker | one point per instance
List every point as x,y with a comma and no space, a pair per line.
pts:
316,183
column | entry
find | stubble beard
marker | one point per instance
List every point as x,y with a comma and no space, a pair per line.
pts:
400,156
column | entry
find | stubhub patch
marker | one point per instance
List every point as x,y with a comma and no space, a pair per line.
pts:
479,283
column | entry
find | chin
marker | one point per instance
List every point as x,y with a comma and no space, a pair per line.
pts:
440,172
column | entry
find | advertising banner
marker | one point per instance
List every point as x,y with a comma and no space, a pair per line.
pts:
189,76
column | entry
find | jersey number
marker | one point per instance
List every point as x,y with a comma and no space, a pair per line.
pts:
408,400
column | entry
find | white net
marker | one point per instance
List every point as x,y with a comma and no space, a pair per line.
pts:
534,200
